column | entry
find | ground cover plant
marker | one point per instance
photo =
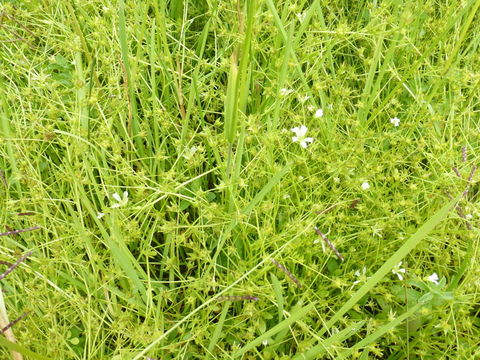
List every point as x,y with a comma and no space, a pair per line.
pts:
250,179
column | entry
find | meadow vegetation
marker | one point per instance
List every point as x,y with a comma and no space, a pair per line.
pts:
223,179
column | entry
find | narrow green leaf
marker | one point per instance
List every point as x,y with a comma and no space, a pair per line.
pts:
218,329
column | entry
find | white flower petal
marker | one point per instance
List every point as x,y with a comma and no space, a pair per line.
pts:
395,121
125,195
365,186
303,130
114,206
303,144
308,139
296,130
433,278
116,197
100,215
318,113
294,138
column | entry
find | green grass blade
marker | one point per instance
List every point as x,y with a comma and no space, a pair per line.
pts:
122,35
277,290
218,329
231,101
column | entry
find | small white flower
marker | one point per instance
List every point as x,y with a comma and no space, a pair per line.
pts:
100,215
433,278
361,276
286,196
285,92
265,342
399,271
318,113
310,107
377,231
395,121
304,98
301,132
301,16
469,216
121,201
365,186
188,154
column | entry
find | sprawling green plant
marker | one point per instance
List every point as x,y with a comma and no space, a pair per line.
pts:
250,179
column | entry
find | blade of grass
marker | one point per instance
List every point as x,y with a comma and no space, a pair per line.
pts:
134,127
277,289
218,329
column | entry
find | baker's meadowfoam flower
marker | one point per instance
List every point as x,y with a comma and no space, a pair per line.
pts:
318,113
121,201
361,276
395,121
300,133
399,271
365,186
433,278
285,92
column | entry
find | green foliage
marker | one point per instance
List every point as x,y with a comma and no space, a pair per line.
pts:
188,107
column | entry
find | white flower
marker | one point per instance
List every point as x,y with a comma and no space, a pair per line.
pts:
188,154
469,216
433,278
121,201
361,276
310,107
399,271
100,215
365,186
395,121
304,98
301,16
377,231
301,132
285,92
318,113
265,342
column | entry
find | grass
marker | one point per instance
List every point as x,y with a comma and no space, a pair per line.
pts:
188,108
